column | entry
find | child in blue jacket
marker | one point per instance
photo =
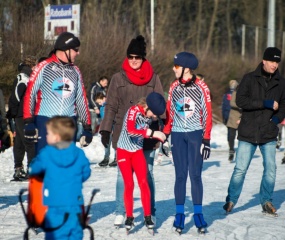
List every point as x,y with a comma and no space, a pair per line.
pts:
65,168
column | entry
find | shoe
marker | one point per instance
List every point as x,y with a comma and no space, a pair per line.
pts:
104,162
119,220
283,160
148,222
269,208
113,164
158,160
129,223
228,207
20,174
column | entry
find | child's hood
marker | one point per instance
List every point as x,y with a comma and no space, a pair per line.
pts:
65,156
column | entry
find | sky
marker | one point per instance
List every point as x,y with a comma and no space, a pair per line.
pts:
245,222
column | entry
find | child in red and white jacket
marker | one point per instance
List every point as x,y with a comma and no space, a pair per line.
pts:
130,156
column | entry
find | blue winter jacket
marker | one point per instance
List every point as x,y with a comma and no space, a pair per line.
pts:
64,171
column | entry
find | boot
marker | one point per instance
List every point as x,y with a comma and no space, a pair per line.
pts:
104,162
268,208
148,222
283,160
129,223
20,174
114,163
179,222
228,207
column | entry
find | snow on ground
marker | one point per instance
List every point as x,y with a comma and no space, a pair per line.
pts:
246,221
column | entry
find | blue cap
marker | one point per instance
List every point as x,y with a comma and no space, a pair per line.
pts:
186,60
156,103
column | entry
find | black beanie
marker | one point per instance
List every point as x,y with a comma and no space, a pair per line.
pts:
272,54
137,46
156,103
66,41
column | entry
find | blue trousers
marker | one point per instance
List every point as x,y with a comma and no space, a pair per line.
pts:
187,159
244,156
120,209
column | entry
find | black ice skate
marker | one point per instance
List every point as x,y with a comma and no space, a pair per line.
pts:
149,224
104,162
228,207
179,222
129,223
113,164
283,160
20,175
269,209
200,223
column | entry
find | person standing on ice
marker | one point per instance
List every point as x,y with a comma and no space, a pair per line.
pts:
189,120
130,155
261,96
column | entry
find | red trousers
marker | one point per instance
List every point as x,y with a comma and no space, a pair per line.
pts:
130,162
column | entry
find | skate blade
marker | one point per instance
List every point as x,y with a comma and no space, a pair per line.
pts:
150,230
269,214
178,231
202,231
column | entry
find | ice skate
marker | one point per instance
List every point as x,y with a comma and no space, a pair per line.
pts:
228,207
113,164
149,224
104,162
200,223
129,224
119,221
178,223
283,160
269,209
20,175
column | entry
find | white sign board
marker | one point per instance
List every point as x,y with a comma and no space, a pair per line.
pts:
61,18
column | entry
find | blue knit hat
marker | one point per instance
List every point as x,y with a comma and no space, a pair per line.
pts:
186,60
156,103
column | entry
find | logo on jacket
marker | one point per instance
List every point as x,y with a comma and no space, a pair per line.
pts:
185,107
62,87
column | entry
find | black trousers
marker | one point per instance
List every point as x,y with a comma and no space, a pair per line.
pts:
231,138
21,145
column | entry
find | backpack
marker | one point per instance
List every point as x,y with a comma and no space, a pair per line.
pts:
36,210
14,100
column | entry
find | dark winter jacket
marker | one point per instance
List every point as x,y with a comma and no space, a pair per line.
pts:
226,107
95,88
256,125
19,88
122,94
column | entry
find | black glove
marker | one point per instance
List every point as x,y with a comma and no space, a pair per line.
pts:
105,138
30,132
205,149
86,136
165,147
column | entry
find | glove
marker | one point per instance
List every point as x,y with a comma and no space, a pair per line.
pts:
105,138
268,103
156,134
31,132
205,149
165,148
86,136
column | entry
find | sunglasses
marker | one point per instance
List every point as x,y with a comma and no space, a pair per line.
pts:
177,66
75,49
134,57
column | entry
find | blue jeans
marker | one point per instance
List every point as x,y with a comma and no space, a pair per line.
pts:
244,156
120,209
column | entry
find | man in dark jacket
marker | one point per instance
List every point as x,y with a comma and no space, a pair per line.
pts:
261,96
21,146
